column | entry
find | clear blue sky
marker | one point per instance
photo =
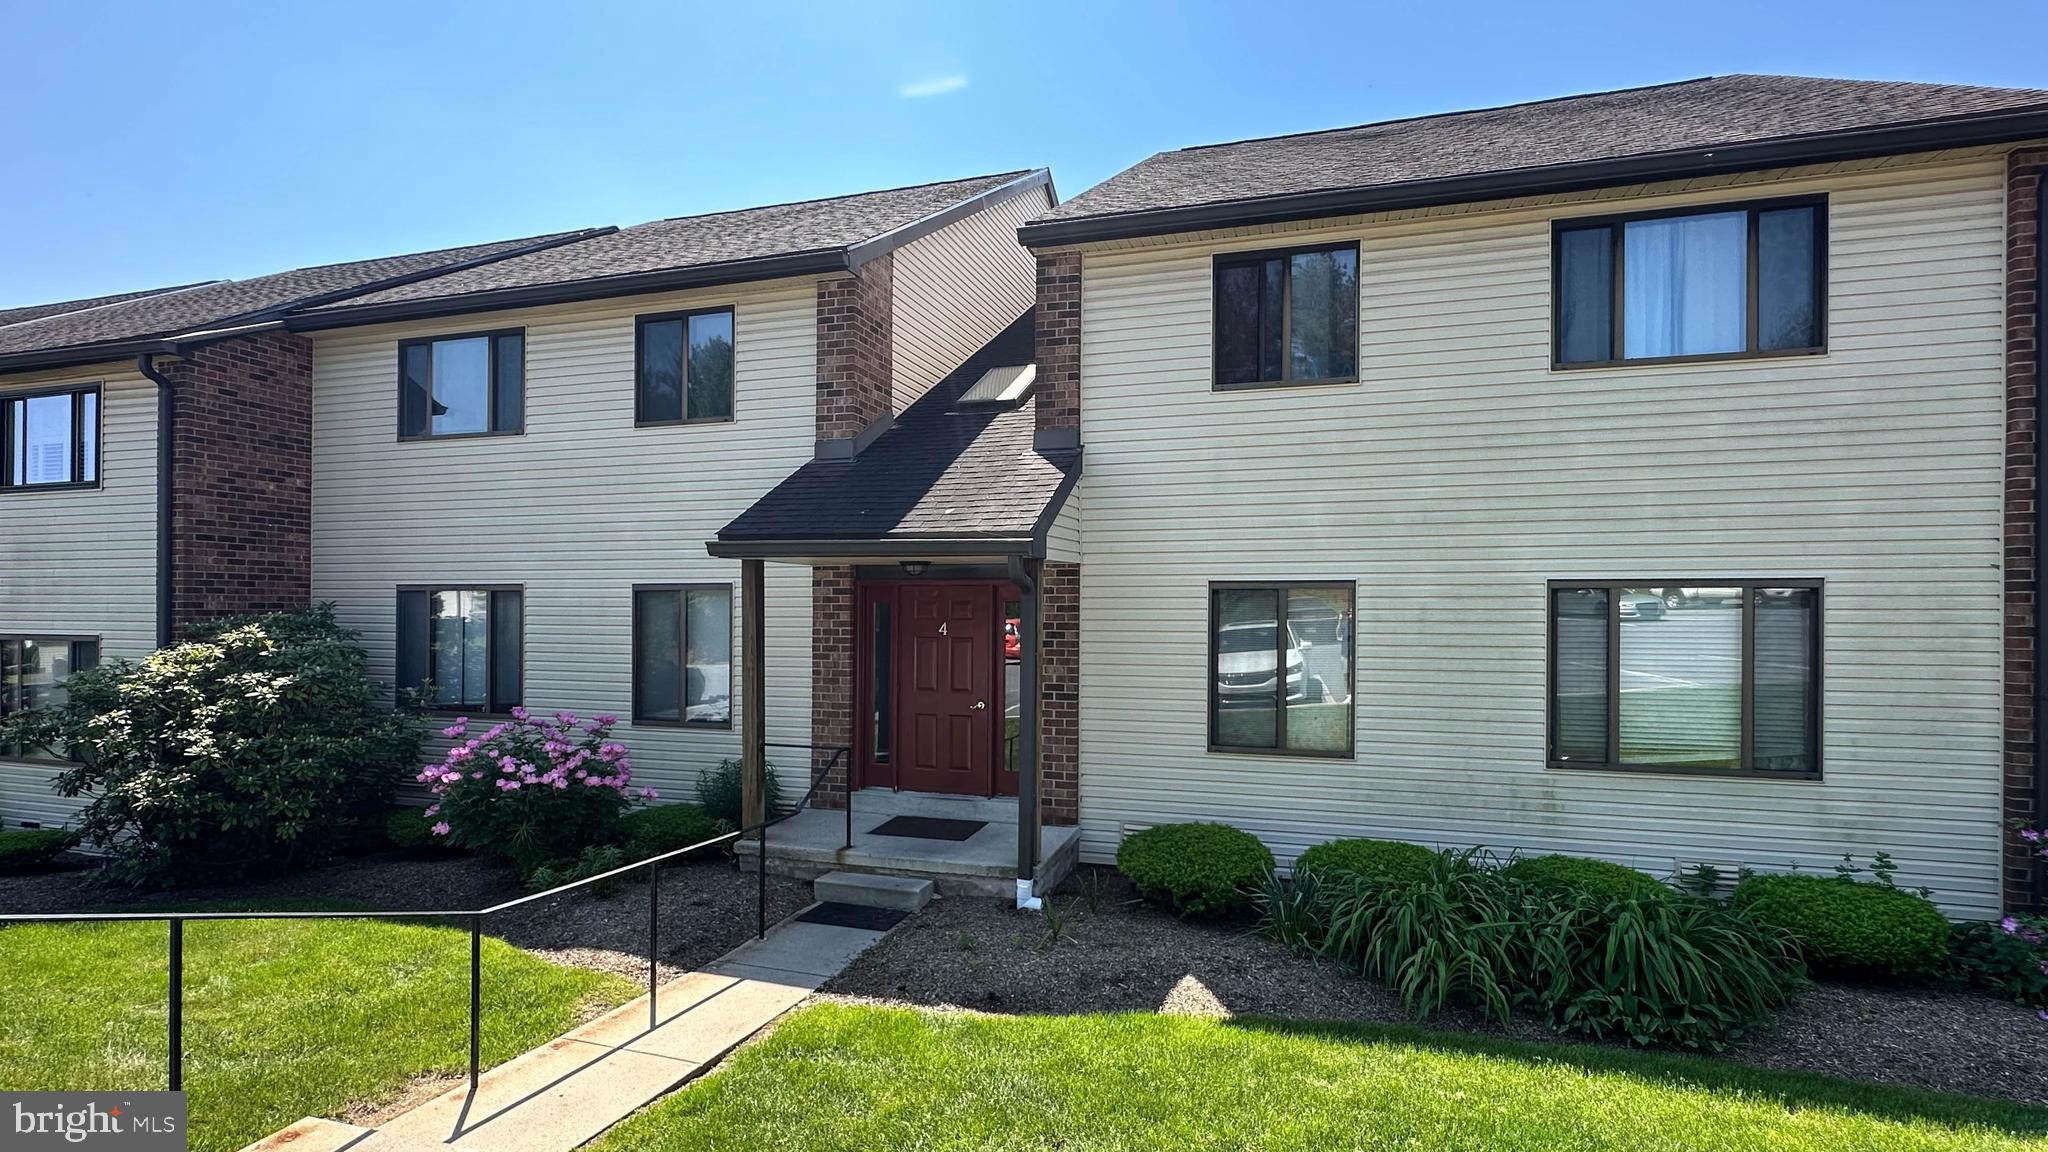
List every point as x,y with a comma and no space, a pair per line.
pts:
156,144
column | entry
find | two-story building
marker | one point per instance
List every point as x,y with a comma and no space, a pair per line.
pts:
1648,475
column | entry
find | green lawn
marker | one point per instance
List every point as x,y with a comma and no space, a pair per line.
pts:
282,1019
839,1077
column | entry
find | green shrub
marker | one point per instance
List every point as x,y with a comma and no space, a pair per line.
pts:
719,790
1296,912
592,861
27,850
667,827
529,791
1449,937
245,749
2007,959
1662,970
1195,869
1862,930
1381,859
1574,874
411,830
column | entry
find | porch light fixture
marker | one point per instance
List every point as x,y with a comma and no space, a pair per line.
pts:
915,567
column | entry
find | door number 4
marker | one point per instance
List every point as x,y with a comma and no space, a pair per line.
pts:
944,626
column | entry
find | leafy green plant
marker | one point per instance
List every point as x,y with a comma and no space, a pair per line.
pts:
1377,859
1583,874
2008,958
1664,970
531,790
665,828
247,748
719,792
1448,938
1296,912
594,860
1862,930
26,850
411,830
1195,869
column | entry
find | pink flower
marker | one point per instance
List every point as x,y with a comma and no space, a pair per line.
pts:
440,829
565,718
648,794
2031,835
2009,925
606,721
456,730
432,810
520,714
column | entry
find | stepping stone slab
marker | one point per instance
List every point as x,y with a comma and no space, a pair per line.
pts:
902,892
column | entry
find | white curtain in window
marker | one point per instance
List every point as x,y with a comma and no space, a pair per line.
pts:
48,455
1686,285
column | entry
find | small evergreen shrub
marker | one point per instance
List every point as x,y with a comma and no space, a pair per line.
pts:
2008,958
1374,859
411,830
592,861
1582,874
719,791
667,827
1195,869
27,850
1870,931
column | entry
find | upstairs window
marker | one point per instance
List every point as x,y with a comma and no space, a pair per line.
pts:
467,644
683,365
1739,281
1665,678
1287,317
50,439
471,385
32,674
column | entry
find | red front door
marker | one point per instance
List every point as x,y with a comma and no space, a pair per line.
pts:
945,637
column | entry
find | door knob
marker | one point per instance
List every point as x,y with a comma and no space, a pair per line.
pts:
980,704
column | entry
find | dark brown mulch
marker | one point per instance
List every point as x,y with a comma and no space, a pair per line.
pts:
1115,954
707,907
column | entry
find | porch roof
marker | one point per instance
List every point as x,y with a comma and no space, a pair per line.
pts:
945,481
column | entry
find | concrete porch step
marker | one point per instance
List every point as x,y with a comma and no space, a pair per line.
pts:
907,893
813,843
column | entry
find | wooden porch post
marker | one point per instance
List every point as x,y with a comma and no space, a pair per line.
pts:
753,696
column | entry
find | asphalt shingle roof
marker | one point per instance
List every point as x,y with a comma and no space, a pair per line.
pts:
938,474
692,241
1691,114
38,311
227,301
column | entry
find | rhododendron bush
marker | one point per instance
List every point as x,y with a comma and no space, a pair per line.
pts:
532,790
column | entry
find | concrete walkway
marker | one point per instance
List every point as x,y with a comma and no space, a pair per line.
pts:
566,1092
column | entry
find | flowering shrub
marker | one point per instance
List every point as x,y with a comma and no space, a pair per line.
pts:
2007,957
531,791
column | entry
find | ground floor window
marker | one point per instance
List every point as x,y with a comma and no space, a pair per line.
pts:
682,654
1706,678
464,646
1280,658
32,674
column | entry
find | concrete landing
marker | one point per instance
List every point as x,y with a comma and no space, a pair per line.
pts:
813,842
568,1091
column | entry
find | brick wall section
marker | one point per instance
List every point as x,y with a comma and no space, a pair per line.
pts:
1059,699
2024,169
1058,352
832,633
854,350
242,480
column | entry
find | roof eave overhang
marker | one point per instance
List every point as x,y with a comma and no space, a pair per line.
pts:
892,548
78,357
1854,144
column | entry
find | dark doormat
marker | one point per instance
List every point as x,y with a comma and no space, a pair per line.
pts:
929,827
853,916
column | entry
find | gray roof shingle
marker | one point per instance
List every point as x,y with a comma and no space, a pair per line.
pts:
1715,111
38,311
225,302
692,241
939,474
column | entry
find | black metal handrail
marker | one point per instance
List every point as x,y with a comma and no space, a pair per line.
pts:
475,916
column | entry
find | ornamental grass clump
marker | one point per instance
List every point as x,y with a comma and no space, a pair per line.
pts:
532,791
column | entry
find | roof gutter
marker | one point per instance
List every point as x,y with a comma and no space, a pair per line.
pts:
827,261
1812,148
146,364
937,548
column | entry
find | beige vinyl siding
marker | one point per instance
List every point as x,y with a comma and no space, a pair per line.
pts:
1063,539
578,509
1462,473
82,562
956,288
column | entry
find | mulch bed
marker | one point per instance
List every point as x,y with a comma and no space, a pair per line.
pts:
1116,954
707,906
